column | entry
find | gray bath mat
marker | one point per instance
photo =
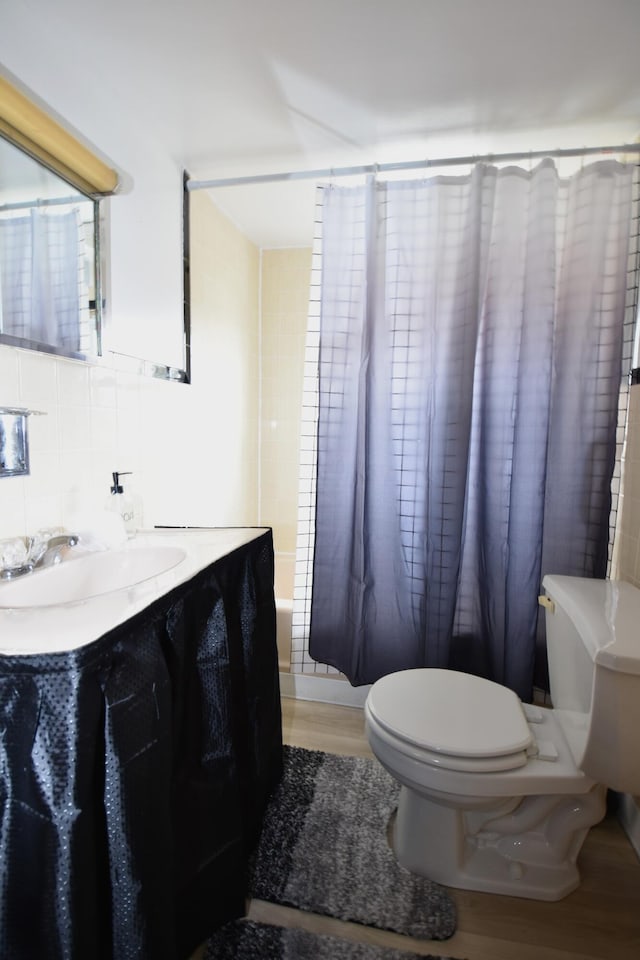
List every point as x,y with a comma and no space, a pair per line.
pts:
249,940
324,849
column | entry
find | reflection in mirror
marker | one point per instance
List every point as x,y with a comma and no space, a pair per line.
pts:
49,260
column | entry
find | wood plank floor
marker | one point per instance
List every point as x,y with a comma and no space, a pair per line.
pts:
599,920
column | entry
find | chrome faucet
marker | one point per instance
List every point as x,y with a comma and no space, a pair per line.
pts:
22,555
54,548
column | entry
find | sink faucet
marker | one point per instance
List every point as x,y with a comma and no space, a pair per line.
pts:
53,550
25,554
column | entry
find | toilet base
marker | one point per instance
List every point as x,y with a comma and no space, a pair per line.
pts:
520,847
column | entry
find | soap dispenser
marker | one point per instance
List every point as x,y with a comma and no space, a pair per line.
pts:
122,503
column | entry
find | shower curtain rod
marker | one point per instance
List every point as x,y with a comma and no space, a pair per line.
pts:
409,165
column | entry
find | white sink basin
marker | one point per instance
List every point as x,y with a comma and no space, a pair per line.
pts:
92,575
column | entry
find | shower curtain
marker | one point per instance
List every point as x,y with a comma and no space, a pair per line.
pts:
469,373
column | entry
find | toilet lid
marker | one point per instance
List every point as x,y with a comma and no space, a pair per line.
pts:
451,713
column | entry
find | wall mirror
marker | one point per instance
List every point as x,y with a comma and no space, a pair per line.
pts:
50,297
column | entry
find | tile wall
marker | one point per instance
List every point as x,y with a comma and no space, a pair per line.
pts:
92,425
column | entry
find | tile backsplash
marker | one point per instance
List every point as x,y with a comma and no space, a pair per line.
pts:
91,425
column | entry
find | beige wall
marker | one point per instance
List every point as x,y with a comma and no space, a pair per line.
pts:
285,304
230,278
225,274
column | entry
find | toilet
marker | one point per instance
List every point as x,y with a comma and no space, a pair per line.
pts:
498,795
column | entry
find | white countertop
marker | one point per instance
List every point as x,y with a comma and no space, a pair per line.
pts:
32,630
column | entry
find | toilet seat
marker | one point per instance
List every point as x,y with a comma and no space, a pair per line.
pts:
452,720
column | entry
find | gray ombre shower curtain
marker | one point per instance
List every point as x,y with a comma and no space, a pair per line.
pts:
469,371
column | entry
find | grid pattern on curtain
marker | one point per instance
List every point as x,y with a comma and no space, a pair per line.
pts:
429,260
301,661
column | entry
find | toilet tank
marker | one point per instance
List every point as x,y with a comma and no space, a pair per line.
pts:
593,647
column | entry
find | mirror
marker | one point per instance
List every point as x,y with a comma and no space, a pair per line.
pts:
49,260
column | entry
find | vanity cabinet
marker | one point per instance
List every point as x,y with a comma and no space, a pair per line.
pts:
134,772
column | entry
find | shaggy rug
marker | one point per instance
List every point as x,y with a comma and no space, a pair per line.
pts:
249,940
323,848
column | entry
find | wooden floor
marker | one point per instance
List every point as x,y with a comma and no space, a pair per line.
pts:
599,920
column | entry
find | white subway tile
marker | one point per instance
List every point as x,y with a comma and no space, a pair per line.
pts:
9,377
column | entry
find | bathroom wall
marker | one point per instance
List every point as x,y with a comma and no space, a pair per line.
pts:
93,424
284,309
251,307
223,433
193,449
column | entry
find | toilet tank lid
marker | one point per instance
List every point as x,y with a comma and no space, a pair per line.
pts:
607,615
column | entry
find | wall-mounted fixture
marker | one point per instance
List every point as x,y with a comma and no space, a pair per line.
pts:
27,125
14,441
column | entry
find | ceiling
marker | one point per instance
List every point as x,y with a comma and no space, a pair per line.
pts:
235,87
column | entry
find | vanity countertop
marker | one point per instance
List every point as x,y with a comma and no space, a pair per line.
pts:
36,630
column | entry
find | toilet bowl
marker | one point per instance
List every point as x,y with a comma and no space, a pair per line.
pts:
497,795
